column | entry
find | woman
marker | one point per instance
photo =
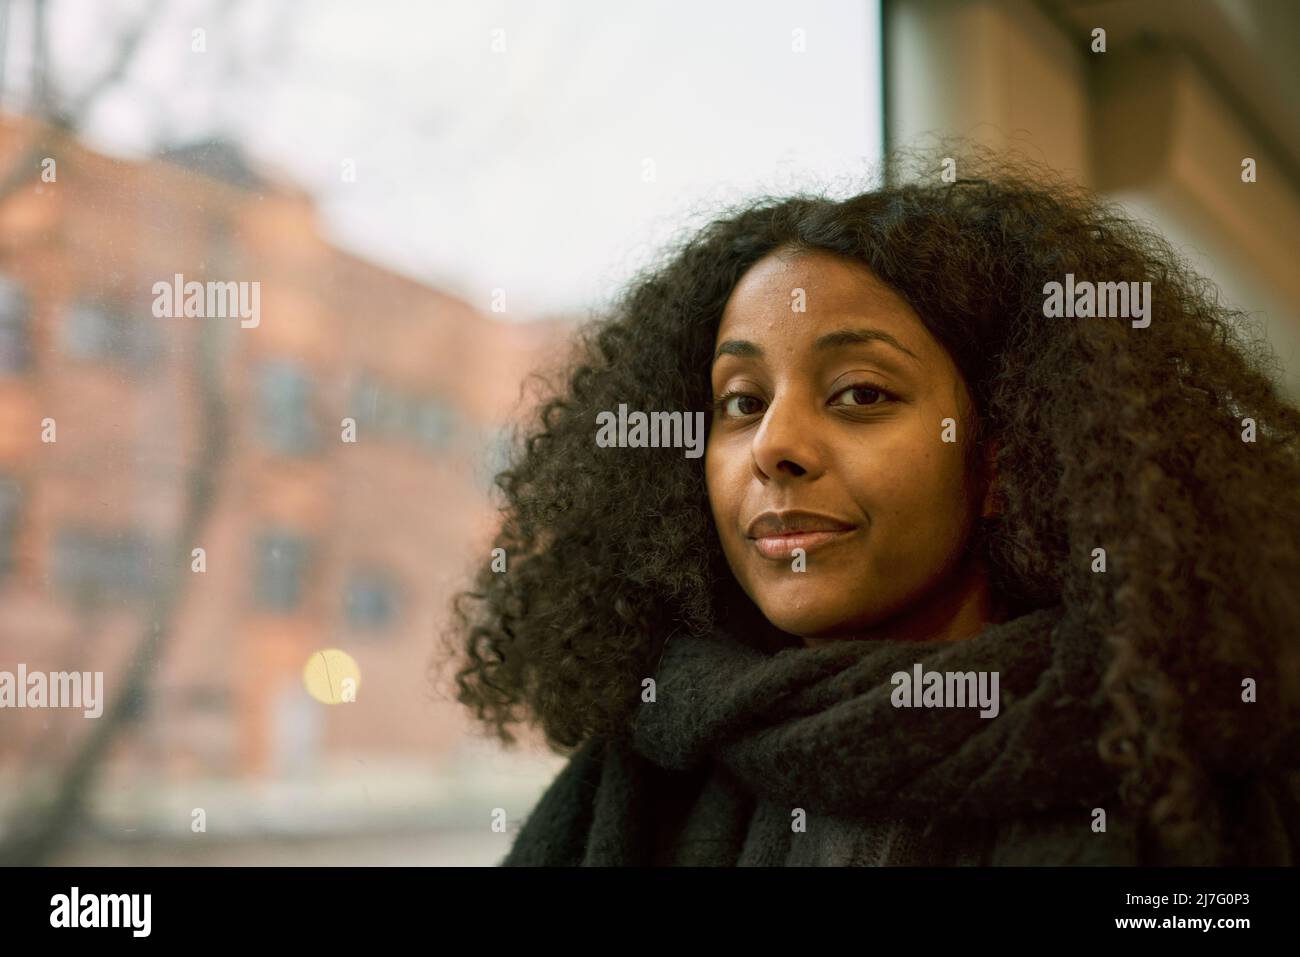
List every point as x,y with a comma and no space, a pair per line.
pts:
963,576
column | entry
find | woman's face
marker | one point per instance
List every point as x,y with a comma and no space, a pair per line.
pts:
830,438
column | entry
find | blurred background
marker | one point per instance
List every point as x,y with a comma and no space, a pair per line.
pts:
430,197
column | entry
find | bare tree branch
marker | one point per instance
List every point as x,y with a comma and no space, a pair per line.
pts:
62,119
37,830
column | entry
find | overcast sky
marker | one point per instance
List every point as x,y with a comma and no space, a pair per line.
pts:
523,168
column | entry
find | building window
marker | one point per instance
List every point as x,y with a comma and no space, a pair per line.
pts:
371,600
99,332
496,457
286,420
15,328
397,414
10,503
92,564
280,568
434,422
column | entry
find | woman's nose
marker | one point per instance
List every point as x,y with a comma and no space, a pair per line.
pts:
786,442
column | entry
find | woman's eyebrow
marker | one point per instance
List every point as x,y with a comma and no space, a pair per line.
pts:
849,337
832,340
738,347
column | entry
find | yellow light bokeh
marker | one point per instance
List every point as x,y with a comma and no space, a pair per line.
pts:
327,674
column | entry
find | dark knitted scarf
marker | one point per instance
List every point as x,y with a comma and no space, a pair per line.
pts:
817,728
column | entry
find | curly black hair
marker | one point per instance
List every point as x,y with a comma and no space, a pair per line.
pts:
1131,439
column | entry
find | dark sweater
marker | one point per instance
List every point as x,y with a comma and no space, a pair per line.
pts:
806,758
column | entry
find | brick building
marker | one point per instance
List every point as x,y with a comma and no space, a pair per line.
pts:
310,541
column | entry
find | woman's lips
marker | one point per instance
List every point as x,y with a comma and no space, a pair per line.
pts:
781,546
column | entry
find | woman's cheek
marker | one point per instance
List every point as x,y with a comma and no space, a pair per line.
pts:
916,507
718,484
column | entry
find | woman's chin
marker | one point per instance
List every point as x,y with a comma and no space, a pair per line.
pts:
808,620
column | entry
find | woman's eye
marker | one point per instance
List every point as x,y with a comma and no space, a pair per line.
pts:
740,405
862,395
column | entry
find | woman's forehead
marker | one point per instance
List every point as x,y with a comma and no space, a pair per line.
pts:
815,299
